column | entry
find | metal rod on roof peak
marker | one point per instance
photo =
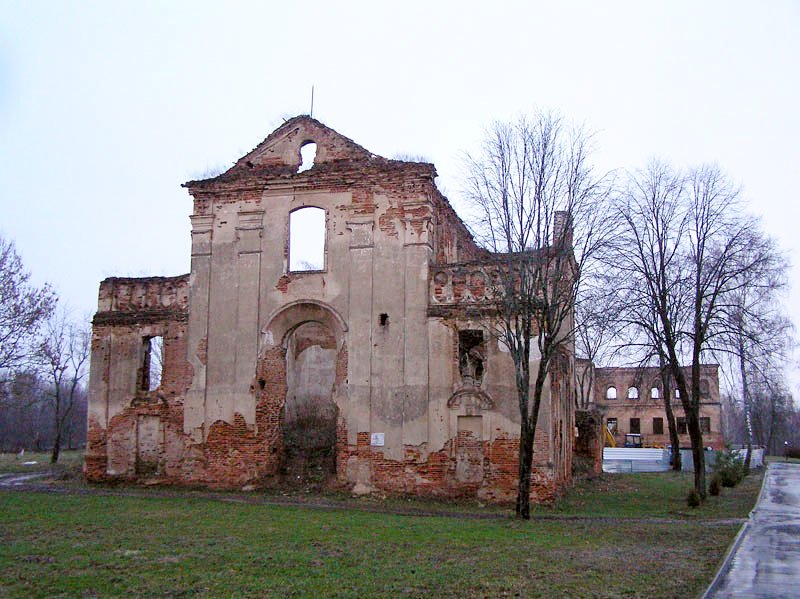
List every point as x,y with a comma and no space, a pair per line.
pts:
311,114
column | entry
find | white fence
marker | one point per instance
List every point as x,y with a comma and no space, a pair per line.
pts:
637,459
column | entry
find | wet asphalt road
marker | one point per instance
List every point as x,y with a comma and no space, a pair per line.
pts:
766,561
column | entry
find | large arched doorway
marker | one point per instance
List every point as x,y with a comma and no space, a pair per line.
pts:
310,413
302,381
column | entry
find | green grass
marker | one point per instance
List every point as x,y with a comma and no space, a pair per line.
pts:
660,495
123,546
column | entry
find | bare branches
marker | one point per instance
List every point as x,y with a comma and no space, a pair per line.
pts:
64,352
23,308
534,195
688,258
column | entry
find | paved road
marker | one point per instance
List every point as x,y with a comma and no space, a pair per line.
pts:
766,559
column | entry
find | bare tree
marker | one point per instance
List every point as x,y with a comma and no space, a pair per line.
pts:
648,274
685,245
23,309
756,332
532,187
774,416
64,353
596,328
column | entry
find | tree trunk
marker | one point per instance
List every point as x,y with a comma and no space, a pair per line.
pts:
57,423
746,400
698,454
527,435
56,448
691,412
525,464
674,440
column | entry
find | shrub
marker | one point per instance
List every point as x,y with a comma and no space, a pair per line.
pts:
714,487
693,498
729,467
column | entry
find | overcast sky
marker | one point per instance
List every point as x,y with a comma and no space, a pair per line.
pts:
107,107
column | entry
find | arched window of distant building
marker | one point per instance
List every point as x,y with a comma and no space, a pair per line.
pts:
633,393
611,393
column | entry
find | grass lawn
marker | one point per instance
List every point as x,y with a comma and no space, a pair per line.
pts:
86,545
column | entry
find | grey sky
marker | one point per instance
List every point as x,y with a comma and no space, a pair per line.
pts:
107,107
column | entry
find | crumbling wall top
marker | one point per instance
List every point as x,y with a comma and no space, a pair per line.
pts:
140,297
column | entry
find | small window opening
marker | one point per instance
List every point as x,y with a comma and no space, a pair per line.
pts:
705,424
307,239
611,393
384,319
471,356
655,393
704,388
152,366
308,153
633,393
636,426
611,425
680,422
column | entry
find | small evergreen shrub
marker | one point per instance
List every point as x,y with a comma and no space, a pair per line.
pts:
729,467
715,486
693,498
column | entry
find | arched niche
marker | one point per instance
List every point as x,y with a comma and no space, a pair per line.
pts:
305,358
293,314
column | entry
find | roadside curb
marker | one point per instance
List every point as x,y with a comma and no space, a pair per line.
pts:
737,541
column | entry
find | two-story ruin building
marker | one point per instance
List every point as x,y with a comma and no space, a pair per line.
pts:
631,401
331,330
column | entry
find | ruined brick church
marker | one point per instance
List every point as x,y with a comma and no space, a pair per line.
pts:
332,330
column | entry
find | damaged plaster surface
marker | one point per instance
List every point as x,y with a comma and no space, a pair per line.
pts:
362,360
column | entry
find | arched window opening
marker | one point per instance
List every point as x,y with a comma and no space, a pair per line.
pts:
307,239
633,393
611,393
655,393
308,153
677,393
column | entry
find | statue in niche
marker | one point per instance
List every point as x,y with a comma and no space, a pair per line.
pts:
471,356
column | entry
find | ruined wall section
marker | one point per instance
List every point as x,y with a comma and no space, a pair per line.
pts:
414,411
379,236
132,429
459,302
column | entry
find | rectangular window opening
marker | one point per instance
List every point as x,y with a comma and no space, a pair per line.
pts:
152,364
307,239
635,426
658,426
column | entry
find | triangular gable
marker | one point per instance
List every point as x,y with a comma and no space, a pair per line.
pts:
282,146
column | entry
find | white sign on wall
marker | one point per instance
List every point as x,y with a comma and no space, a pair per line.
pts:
376,439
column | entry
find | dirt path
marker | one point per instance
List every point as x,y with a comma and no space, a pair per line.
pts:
27,483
